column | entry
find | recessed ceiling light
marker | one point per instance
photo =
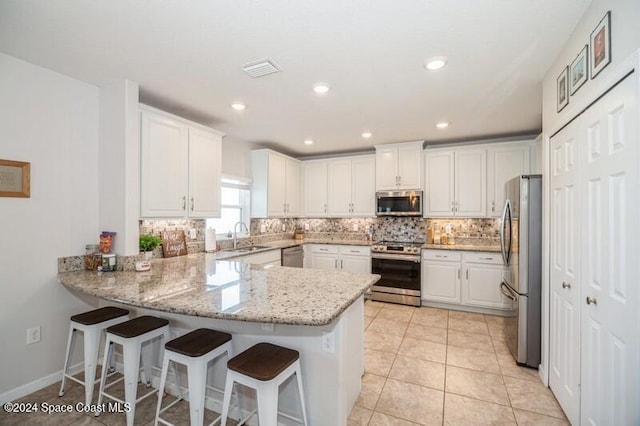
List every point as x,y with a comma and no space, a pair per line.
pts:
436,63
366,135
321,88
238,106
442,125
308,142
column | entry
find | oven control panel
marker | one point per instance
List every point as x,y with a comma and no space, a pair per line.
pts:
396,248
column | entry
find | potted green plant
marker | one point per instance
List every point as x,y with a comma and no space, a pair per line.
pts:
148,243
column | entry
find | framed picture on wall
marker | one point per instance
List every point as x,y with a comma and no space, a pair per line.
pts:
578,70
563,89
600,55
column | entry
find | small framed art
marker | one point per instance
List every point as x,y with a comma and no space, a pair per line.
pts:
600,55
563,89
578,70
15,179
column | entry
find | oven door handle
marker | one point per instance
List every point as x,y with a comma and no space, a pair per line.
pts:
402,257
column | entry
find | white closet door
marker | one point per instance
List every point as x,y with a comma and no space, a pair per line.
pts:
610,186
564,378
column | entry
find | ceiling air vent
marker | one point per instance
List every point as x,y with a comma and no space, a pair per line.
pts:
261,68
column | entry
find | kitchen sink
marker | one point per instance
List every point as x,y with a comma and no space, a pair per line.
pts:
249,249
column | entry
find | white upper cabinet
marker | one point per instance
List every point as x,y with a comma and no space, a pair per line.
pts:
204,174
470,182
275,191
363,189
439,185
455,183
315,188
292,187
351,188
180,167
399,166
504,162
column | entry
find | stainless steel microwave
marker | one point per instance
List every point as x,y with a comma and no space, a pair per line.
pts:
399,203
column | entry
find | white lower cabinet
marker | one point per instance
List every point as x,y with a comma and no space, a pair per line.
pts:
463,278
355,259
441,276
483,273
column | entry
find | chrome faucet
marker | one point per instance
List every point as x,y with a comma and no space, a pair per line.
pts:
235,233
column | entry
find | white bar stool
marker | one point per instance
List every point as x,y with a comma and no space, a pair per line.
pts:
194,350
131,335
264,367
92,324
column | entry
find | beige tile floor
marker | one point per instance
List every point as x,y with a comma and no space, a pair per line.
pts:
74,393
430,366
422,366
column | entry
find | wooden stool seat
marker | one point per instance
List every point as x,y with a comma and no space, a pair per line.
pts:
137,326
263,361
264,367
198,342
135,337
99,315
194,350
92,325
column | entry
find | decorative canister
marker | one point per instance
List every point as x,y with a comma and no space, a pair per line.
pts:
89,261
108,262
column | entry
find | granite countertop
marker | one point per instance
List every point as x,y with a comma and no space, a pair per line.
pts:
462,247
201,285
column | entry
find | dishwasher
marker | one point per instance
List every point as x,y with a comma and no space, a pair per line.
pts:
292,256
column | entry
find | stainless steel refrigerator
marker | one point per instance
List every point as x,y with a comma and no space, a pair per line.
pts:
521,245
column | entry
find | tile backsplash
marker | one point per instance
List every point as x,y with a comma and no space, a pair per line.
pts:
466,231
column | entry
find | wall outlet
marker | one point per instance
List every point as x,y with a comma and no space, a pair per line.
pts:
306,226
33,335
328,342
192,233
263,229
284,227
355,227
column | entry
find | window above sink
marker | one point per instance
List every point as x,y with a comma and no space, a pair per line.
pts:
235,198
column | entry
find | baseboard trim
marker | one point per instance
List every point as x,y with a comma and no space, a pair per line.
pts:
36,385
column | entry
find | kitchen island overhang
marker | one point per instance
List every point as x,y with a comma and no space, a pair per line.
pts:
317,312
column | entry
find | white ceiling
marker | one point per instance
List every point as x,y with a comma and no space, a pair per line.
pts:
187,57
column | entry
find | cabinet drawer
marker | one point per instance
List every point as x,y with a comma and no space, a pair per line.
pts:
355,250
483,257
324,248
445,255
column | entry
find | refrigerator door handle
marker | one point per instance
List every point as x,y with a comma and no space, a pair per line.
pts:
503,249
504,289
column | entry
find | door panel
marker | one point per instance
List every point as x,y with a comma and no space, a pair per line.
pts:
363,188
441,281
438,192
610,251
471,182
564,342
340,188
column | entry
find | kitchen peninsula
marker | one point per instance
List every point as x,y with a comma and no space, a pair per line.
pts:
318,313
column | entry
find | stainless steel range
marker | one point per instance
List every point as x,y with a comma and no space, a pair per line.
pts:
398,263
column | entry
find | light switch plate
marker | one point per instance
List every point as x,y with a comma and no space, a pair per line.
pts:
306,226
263,229
192,233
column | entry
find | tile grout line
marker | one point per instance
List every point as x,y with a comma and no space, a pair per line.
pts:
395,356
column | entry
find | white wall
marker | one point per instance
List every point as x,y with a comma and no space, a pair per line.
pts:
51,121
625,39
119,165
236,158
